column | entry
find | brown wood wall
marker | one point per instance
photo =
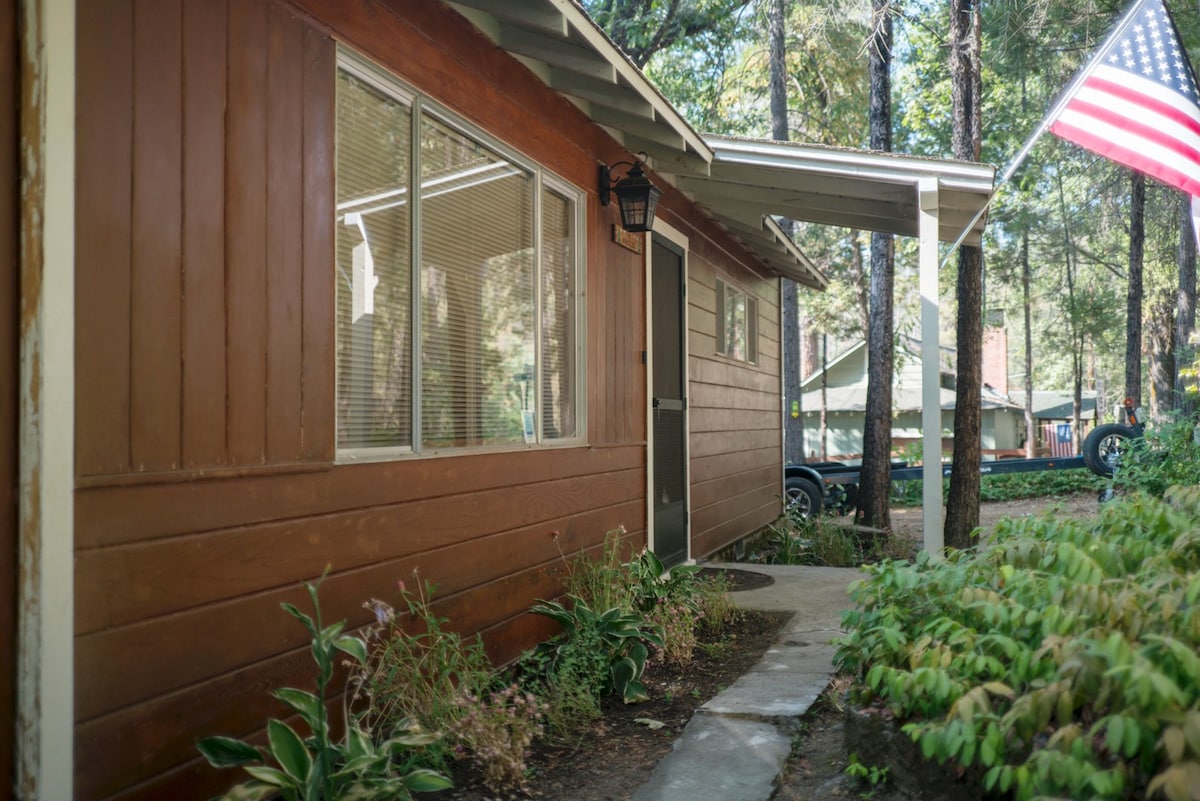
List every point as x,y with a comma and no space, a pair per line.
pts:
734,408
9,378
207,489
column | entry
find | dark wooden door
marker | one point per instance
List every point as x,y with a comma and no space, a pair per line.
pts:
668,415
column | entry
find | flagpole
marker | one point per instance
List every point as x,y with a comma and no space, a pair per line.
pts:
1063,98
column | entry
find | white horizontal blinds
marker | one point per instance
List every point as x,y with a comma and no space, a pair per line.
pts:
722,345
374,299
559,317
751,329
477,292
737,323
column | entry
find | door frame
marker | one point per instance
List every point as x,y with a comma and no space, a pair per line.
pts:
678,241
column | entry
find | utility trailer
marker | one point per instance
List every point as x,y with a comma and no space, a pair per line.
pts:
813,487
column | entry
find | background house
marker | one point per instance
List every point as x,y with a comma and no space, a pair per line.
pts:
1054,419
845,380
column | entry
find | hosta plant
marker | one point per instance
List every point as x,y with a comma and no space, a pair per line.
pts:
320,767
620,638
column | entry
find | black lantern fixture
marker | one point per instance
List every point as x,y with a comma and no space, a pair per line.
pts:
636,196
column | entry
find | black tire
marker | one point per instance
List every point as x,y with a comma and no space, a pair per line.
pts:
843,498
803,497
1102,447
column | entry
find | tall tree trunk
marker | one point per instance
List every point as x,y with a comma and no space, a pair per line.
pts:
824,398
1133,301
1160,336
793,425
875,478
1074,330
1026,276
962,508
1185,309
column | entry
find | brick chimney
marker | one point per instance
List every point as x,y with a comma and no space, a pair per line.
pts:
995,359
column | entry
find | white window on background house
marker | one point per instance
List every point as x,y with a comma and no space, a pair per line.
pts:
737,323
459,294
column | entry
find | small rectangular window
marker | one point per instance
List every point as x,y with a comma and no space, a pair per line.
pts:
459,282
737,323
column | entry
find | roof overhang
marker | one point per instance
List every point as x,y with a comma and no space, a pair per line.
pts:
742,183
564,47
859,189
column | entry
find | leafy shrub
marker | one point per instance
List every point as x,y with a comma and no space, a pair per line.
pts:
1044,484
566,680
1167,455
319,767
619,637
496,732
422,670
602,583
644,587
1061,656
1011,486
827,542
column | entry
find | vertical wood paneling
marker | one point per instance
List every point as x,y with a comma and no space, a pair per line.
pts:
157,236
245,226
317,413
204,32
285,218
104,102
9,381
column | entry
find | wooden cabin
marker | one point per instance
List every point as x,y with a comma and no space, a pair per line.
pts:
346,297
329,285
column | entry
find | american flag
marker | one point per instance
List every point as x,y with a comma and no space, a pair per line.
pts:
1136,103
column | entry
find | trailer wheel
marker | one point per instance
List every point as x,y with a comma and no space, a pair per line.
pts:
843,498
1102,447
803,497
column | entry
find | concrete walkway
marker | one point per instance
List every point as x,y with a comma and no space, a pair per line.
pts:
736,745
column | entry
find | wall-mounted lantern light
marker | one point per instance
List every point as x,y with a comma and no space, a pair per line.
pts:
636,196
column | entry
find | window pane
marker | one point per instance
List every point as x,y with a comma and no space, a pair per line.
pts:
374,347
477,299
559,391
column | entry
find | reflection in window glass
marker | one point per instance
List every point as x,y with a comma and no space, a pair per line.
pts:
374,372
477,292
737,323
478,264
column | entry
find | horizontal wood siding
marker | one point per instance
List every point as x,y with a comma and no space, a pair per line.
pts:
208,488
734,411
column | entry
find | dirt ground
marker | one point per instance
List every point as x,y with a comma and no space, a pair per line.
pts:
621,750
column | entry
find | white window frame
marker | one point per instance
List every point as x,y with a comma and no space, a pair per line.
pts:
723,287
423,107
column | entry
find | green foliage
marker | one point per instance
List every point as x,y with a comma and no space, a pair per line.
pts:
794,540
418,668
1012,486
1166,456
1059,657
319,767
619,637
872,775
643,586
601,583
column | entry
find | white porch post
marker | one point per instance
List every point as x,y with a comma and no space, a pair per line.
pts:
45,647
931,408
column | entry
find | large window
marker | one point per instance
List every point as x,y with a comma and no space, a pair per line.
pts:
737,323
458,293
